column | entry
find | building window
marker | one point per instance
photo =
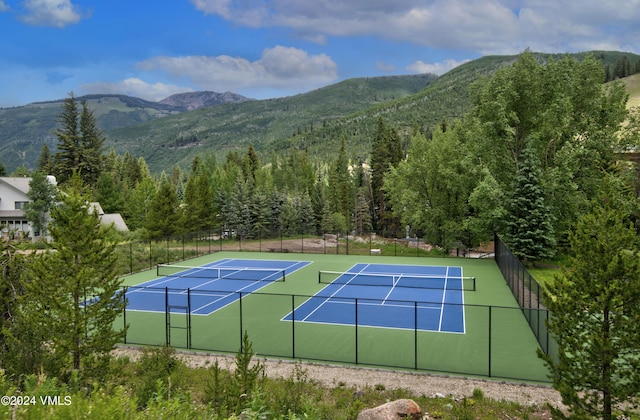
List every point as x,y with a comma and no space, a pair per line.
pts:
20,205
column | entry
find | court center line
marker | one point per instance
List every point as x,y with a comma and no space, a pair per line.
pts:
393,286
444,295
332,295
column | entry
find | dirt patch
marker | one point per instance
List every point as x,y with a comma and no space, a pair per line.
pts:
360,378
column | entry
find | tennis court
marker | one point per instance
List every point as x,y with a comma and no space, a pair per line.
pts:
377,314
207,288
427,298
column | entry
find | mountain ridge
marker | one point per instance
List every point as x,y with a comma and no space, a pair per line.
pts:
165,135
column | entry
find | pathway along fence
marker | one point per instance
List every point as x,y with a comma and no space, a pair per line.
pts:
497,342
527,292
145,255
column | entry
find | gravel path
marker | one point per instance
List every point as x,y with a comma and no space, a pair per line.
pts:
360,377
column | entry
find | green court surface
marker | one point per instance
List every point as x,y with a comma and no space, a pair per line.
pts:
497,341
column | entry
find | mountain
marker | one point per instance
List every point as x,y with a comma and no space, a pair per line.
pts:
25,129
165,135
177,139
190,101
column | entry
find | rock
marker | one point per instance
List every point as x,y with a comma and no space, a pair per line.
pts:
399,409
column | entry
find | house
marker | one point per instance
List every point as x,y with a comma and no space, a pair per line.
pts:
108,218
13,197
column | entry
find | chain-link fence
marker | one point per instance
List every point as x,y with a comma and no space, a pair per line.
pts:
496,343
138,256
528,294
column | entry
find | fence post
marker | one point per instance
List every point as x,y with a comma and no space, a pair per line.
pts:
356,329
166,315
241,332
189,318
124,314
489,361
415,335
293,326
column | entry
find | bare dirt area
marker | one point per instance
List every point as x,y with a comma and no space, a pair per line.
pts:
360,378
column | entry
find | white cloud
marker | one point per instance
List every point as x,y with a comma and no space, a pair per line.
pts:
285,68
134,87
385,67
3,6
435,68
58,13
481,26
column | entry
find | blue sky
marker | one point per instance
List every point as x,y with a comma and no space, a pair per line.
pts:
271,48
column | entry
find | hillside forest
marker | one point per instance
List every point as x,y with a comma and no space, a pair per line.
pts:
528,159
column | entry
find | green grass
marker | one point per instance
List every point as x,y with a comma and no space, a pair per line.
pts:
509,351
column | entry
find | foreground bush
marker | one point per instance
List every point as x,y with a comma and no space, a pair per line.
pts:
159,385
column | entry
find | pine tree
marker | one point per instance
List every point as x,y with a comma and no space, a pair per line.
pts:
386,153
45,161
340,195
71,297
80,143
595,316
528,221
42,196
68,157
163,218
92,143
108,194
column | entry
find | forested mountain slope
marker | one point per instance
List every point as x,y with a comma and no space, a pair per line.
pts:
165,135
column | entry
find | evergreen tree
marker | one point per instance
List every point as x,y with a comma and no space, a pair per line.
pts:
197,209
386,153
79,143
138,205
42,195
341,197
261,215
92,143
3,170
596,317
362,213
528,220
163,218
108,194
68,157
72,296
45,161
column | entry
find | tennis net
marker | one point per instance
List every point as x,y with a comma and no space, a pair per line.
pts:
398,280
231,273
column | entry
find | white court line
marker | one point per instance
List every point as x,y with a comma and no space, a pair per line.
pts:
444,294
394,282
328,298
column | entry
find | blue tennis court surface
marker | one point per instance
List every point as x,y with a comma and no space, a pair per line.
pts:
428,298
205,289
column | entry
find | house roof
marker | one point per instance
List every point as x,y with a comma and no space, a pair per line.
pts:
116,219
11,214
17,183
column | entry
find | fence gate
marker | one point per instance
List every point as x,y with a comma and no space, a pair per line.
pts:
178,318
